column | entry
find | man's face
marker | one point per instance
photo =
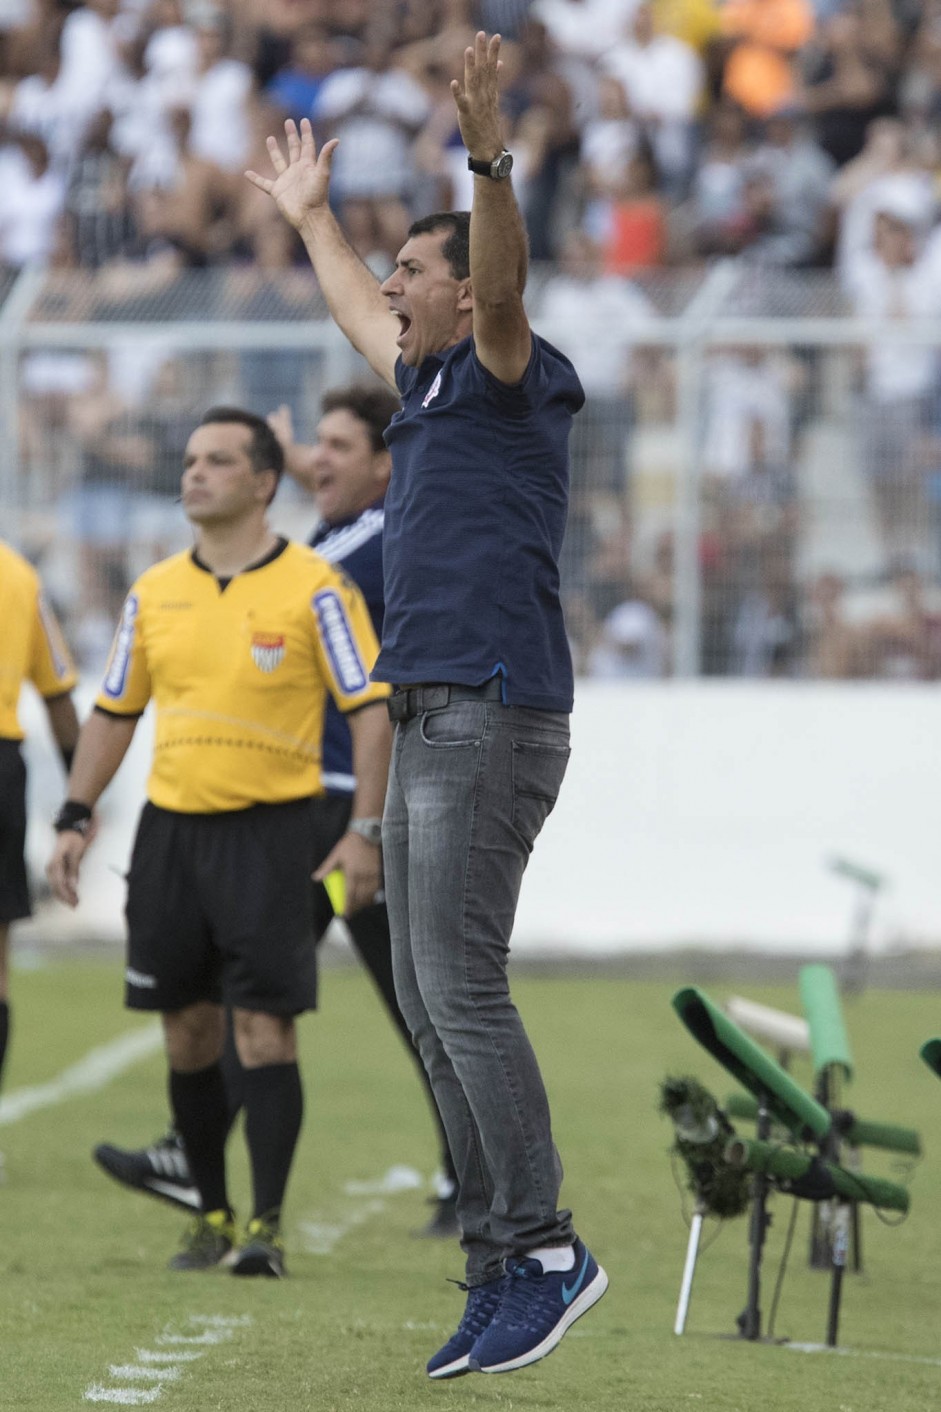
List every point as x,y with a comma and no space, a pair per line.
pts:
348,474
433,308
220,486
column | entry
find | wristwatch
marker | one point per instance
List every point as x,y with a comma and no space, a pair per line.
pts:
369,829
497,170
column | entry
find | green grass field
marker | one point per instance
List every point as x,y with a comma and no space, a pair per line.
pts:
85,1296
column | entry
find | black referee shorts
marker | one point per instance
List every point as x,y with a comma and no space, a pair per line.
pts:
219,908
14,890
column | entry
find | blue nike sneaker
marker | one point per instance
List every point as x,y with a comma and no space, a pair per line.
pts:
535,1311
482,1303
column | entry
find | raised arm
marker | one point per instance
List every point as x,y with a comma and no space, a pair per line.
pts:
102,745
498,245
300,461
300,189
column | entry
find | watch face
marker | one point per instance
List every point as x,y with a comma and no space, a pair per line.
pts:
502,166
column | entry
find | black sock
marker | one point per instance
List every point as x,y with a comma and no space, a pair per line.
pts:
200,1113
274,1107
233,1075
4,1031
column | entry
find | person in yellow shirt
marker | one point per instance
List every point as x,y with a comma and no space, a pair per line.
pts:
238,644
31,649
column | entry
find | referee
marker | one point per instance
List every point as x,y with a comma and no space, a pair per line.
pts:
239,644
347,471
31,649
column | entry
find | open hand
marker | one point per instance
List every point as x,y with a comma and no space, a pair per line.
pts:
282,424
478,106
302,179
62,869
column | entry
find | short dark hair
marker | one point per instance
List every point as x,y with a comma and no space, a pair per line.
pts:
265,449
456,249
373,406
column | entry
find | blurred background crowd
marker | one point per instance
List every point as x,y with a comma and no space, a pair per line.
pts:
654,140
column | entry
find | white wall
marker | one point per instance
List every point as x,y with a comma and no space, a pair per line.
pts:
692,814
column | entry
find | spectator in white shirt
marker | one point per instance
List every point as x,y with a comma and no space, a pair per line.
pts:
32,199
221,130
376,110
663,79
897,277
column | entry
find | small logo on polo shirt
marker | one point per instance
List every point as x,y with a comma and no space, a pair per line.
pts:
433,390
267,650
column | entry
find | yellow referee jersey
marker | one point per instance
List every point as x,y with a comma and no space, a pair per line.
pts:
31,644
239,675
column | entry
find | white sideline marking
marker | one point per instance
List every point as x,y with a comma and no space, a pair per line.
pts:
163,1367
122,1396
396,1179
94,1071
864,1353
320,1235
137,1374
211,1336
222,1321
149,1355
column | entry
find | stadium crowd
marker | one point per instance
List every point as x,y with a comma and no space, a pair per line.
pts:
650,137
669,130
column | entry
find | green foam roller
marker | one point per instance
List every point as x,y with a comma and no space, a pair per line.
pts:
860,1133
747,1062
930,1051
820,998
787,1165
888,1136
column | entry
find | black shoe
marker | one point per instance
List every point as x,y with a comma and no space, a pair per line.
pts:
444,1224
210,1238
262,1253
162,1170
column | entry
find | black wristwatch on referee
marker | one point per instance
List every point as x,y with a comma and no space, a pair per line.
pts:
369,829
73,817
497,170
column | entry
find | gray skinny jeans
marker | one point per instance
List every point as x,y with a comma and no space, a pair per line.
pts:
470,787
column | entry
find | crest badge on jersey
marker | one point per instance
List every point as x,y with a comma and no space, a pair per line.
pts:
267,650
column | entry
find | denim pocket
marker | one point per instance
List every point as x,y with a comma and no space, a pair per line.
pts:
461,723
538,771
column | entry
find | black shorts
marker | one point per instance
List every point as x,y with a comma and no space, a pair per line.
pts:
219,908
14,889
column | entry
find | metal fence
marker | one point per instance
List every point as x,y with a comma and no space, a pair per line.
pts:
756,484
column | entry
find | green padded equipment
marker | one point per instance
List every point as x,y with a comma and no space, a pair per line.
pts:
858,1133
751,1065
787,1164
820,999
930,1051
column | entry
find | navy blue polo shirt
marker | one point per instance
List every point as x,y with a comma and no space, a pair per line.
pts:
475,515
355,546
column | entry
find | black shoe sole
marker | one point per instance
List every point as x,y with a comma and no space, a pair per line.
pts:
185,1198
257,1262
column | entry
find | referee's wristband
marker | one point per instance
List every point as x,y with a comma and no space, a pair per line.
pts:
73,817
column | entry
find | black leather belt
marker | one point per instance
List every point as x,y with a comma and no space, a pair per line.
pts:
408,701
